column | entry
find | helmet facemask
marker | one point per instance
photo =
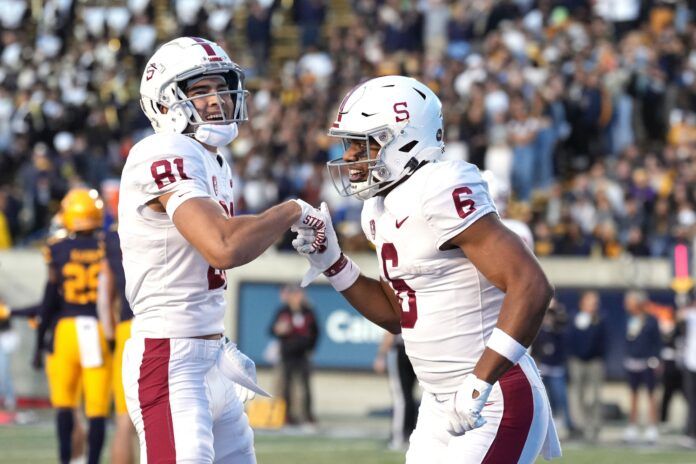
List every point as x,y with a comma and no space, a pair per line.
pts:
236,95
369,174
187,120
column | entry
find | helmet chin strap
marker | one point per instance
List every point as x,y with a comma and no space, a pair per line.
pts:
217,135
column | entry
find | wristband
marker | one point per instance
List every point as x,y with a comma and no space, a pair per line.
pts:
506,346
343,273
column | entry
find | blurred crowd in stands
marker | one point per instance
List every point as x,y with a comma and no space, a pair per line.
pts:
582,112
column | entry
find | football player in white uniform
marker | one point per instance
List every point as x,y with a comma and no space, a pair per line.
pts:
178,234
466,294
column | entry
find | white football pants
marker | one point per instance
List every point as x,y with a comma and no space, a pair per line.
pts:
184,409
519,425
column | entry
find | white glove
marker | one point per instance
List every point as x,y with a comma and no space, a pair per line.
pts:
465,412
239,368
244,394
307,215
319,245
312,219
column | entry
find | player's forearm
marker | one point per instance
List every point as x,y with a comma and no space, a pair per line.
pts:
368,298
520,318
248,237
524,307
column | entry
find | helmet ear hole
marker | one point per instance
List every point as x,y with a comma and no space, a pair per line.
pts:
382,172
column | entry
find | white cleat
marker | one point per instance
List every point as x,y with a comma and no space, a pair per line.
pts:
651,434
630,434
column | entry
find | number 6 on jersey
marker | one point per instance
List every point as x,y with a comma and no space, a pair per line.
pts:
409,315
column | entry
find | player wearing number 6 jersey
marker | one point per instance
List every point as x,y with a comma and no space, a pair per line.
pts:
466,294
178,234
78,359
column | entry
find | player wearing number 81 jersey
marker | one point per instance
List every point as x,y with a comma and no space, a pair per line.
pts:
173,290
466,294
178,233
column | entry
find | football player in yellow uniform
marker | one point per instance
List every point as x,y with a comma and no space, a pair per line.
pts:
78,352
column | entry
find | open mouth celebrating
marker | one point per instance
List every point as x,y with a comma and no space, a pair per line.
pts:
357,175
217,117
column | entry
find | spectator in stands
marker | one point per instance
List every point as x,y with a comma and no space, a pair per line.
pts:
258,34
587,336
622,14
522,132
572,241
472,129
586,117
42,186
549,349
635,243
295,325
643,345
606,240
309,15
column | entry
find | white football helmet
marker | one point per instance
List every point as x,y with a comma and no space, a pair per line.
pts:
400,114
166,74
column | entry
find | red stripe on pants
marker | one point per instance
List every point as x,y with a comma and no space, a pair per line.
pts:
153,392
518,413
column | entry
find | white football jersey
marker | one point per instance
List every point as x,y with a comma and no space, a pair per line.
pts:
448,308
173,291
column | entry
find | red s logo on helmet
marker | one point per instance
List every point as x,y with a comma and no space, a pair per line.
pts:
150,71
401,113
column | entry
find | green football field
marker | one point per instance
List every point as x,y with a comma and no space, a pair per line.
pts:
36,444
